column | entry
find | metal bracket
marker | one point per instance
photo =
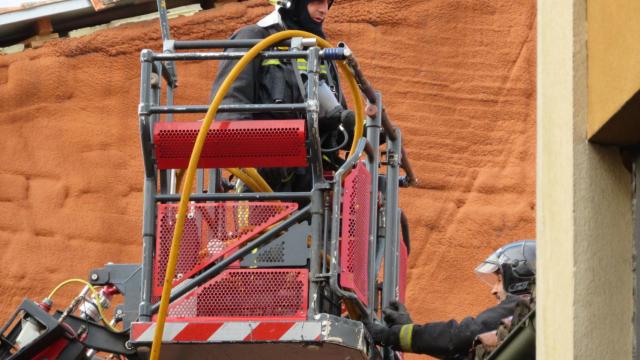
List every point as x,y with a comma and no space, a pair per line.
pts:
323,186
169,46
146,55
347,51
289,250
127,279
143,109
155,80
313,105
309,42
296,43
321,277
393,159
100,338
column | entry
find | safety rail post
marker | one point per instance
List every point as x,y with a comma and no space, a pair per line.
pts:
167,177
319,184
373,136
394,153
168,72
382,224
156,96
150,186
166,37
326,230
392,215
392,221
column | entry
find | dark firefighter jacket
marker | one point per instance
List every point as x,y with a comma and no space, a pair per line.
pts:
266,81
452,340
269,81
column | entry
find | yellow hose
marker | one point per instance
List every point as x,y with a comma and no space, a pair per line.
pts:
253,173
94,293
357,99
195,157
248,180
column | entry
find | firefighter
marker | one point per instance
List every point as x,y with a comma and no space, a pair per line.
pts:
510,271
273,81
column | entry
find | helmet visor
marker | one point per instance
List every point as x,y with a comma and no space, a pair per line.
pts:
487,270
488,273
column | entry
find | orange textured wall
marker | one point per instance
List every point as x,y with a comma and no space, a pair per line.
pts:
458,77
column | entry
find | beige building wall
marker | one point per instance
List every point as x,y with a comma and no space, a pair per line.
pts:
584,228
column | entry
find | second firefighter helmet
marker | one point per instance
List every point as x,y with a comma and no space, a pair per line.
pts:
515,262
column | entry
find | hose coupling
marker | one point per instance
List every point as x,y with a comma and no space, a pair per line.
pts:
335,53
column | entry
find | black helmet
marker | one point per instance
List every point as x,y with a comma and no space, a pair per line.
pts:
296,17
516,262
292,3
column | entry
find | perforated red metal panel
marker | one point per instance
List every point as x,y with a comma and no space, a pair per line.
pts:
255,143
354,244
402,270
244,294
211,231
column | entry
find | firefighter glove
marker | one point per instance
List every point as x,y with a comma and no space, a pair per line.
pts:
382,335
396,314
331,120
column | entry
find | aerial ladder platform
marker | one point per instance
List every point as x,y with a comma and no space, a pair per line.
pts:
256,275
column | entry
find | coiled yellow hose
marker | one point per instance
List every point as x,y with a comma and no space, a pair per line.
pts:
197,150
94,293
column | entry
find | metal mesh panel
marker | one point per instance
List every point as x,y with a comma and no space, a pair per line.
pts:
354,245
274,254
247,294
261,143
402,270
211,231
289,250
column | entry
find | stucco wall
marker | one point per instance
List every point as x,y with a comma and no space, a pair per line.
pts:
456,76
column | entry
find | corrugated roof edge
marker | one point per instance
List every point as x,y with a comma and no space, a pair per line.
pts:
186,10
69,15
27,5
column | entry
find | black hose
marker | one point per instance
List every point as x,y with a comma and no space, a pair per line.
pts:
404,226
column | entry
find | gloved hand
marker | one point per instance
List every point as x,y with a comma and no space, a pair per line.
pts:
333,119
348,120
396,314
381,334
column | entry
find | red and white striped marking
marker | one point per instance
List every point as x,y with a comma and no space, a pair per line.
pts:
232,331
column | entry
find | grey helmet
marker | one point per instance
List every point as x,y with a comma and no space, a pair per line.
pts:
516,262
